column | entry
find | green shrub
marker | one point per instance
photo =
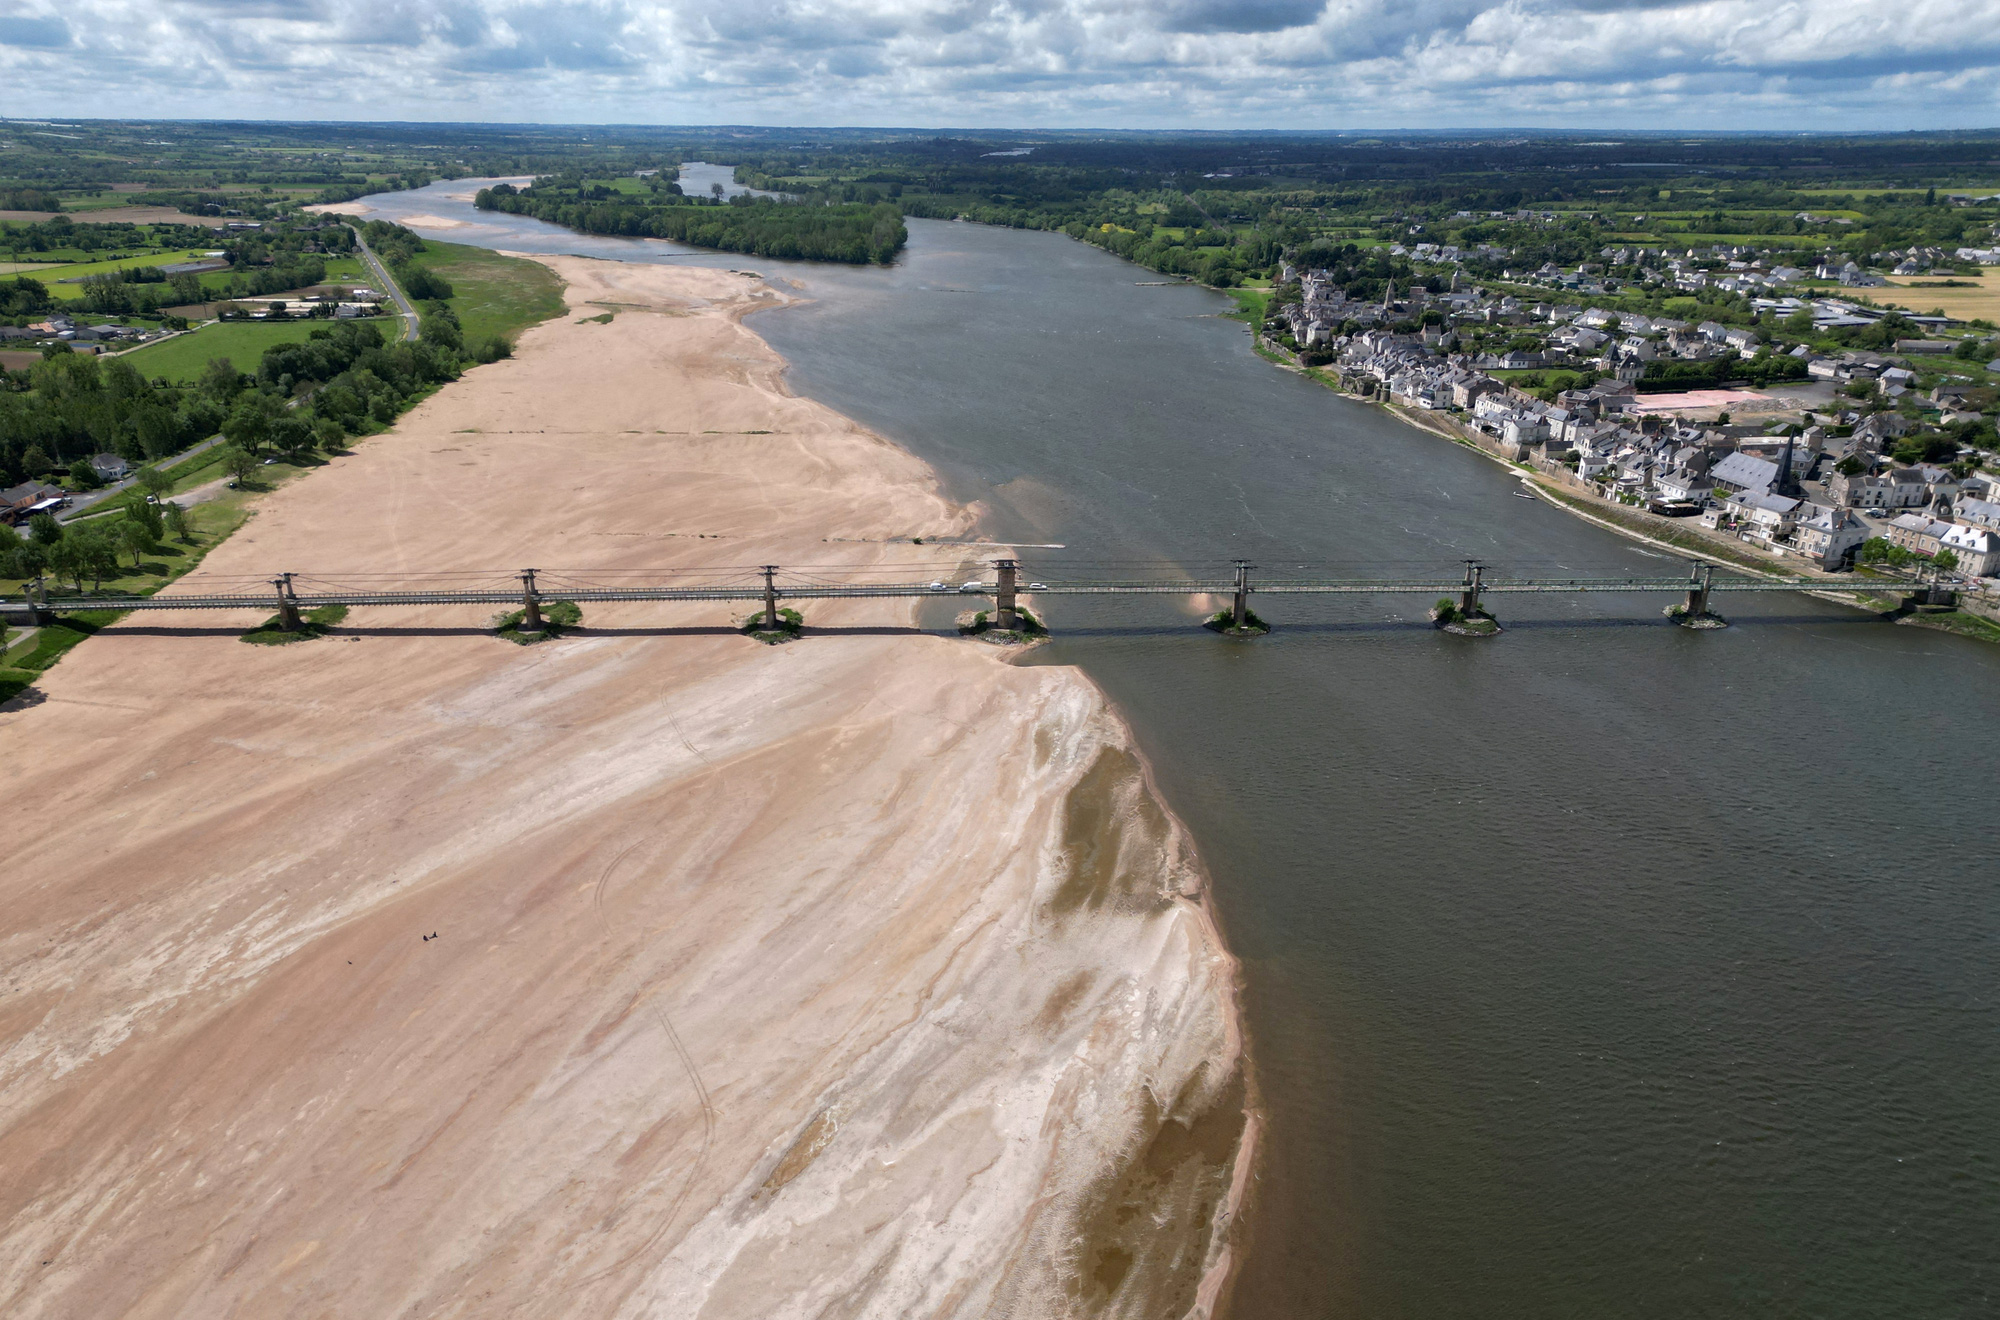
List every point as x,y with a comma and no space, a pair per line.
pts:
790,624
558,617
313,623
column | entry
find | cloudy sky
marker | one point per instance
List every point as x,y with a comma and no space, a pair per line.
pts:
1769,64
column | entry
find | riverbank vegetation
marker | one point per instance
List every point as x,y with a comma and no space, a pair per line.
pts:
312,623
791,625
859,233
1027,627
311,391
1447,615
1224,621
276,385
69,406
1221,208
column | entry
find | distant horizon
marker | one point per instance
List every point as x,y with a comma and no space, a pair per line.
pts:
1461,130
1763,66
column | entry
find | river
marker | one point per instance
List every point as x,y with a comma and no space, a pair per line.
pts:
1599,969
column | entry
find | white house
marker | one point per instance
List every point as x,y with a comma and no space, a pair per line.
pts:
1830,536
1681,484
1769,516
1977,548
1913,531
1980,513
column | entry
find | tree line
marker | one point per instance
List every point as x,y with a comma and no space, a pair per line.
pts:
762,227
70,406
344,380
72,552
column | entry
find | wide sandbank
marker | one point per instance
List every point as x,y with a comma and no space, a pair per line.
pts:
863,975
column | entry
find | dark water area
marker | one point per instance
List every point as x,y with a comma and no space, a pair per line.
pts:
1598,969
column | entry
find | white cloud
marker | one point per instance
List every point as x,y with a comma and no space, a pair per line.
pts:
1214,63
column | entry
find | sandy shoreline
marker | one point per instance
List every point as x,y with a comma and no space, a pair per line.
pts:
864,975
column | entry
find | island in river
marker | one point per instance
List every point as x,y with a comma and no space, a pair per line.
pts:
647,971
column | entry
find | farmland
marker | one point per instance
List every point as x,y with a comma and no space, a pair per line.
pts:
182,358
339,270
1980,302
65,282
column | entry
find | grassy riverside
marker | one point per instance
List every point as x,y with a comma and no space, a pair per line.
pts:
492,294
183,358
313,623
510,293
23,663
1692,542
210,523
1252,303
558,617
1975,626
198,470
791,625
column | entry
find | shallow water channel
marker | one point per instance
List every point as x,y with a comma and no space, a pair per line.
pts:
1599,969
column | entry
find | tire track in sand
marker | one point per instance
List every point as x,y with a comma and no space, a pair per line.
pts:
687,1062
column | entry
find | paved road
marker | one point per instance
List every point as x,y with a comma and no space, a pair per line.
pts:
403,307
82,503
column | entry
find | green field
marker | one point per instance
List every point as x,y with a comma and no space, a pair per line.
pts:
45,260
1252,303
339,270
492,294
183,357
628,184
54,276
99,202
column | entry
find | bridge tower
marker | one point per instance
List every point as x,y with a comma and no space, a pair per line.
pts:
1239,606
531,603
288,604
770,598
1468,601
1005,617
1699,581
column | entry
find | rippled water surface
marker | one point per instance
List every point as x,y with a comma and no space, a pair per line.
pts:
1599,969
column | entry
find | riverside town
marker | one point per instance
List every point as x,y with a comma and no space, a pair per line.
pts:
1768,432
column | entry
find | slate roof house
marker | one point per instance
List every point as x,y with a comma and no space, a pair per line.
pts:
1915,532
1977,548
1683,484
1829,536
1742,472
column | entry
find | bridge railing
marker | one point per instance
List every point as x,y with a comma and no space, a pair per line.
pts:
283,590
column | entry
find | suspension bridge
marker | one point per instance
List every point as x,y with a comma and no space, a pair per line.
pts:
531,589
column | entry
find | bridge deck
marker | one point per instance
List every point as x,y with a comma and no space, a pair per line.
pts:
755,592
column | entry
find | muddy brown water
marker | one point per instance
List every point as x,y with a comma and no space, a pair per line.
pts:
1601,968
